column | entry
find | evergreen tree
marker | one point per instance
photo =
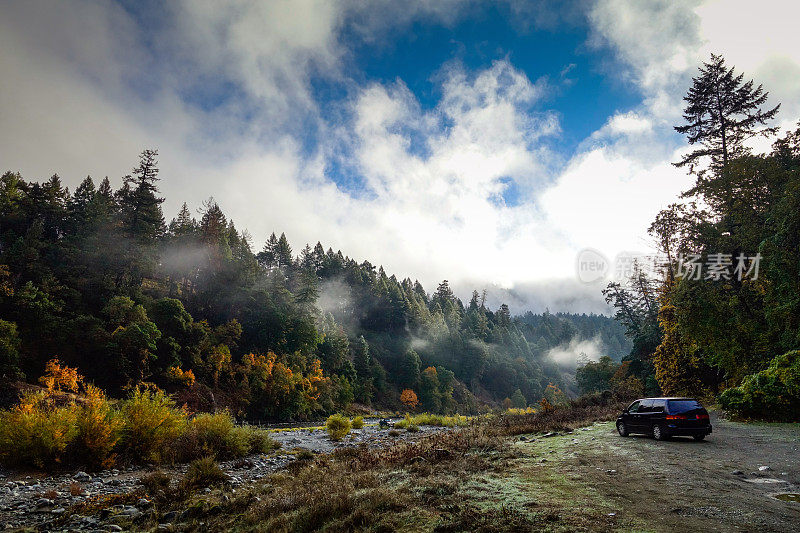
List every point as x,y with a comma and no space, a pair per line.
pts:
721,113
140,202
362,363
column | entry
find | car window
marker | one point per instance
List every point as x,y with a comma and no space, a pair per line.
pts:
632,408
658,406
682,406
646,406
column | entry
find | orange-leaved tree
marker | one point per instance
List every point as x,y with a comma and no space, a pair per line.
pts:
409,398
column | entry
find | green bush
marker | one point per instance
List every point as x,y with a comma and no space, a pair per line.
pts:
772,394
357,423
338,426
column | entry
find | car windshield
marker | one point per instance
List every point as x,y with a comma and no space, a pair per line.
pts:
681,406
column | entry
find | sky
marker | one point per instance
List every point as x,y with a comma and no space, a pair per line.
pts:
487,143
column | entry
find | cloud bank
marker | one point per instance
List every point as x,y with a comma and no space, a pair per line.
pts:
472,189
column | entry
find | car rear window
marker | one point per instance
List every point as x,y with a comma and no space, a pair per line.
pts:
681,406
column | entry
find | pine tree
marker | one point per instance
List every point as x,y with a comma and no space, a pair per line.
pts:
722,112
362,363
139,200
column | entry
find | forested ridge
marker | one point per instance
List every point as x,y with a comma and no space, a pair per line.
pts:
98,279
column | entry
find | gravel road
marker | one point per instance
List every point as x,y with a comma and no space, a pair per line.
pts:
726,483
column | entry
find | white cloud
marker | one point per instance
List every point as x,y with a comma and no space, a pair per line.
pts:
435,178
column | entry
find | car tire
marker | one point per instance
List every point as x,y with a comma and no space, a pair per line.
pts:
659,433
699,437
622,429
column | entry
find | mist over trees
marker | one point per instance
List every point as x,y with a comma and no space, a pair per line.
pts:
97,278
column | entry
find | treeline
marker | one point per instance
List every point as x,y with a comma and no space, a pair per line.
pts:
723,316
99,280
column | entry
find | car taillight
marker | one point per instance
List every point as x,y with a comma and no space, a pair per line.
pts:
676,417
702,417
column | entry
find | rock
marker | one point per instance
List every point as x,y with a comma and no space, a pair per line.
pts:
58,511
550,434
764,469
143,503
44,502
170,516
612,514
612,472
523,438
82,477
737,473
131,511
114,527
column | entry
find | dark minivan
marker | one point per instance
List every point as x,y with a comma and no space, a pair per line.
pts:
665,417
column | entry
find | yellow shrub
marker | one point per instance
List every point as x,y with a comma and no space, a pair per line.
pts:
178,376
520,411
427,419
212,435
338,426
60,378
152,424
357,423
37,432
99,428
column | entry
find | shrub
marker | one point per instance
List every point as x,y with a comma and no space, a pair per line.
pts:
60,378
203,473
773,393
213,435
338,426
412,428
357,423
516,411
305,455
152,424
258,440
99,428
427,419
37,432
155,483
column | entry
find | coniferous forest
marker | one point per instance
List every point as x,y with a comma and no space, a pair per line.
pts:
97,279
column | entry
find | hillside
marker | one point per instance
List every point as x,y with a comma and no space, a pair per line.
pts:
97,279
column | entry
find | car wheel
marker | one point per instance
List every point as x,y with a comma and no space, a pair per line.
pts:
659,433
698,437
623,429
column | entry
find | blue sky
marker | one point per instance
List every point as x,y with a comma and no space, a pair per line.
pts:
483,142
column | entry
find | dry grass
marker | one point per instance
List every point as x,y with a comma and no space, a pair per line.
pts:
470,478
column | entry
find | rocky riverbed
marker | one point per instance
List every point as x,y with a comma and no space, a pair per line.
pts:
31,499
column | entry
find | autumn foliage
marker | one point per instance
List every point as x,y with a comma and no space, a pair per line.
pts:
409,398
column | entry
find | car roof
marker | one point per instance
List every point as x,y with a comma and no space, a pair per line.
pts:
668,398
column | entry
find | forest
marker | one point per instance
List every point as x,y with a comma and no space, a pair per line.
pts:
95,279
722,318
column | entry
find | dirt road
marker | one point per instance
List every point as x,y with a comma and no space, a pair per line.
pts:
682,485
